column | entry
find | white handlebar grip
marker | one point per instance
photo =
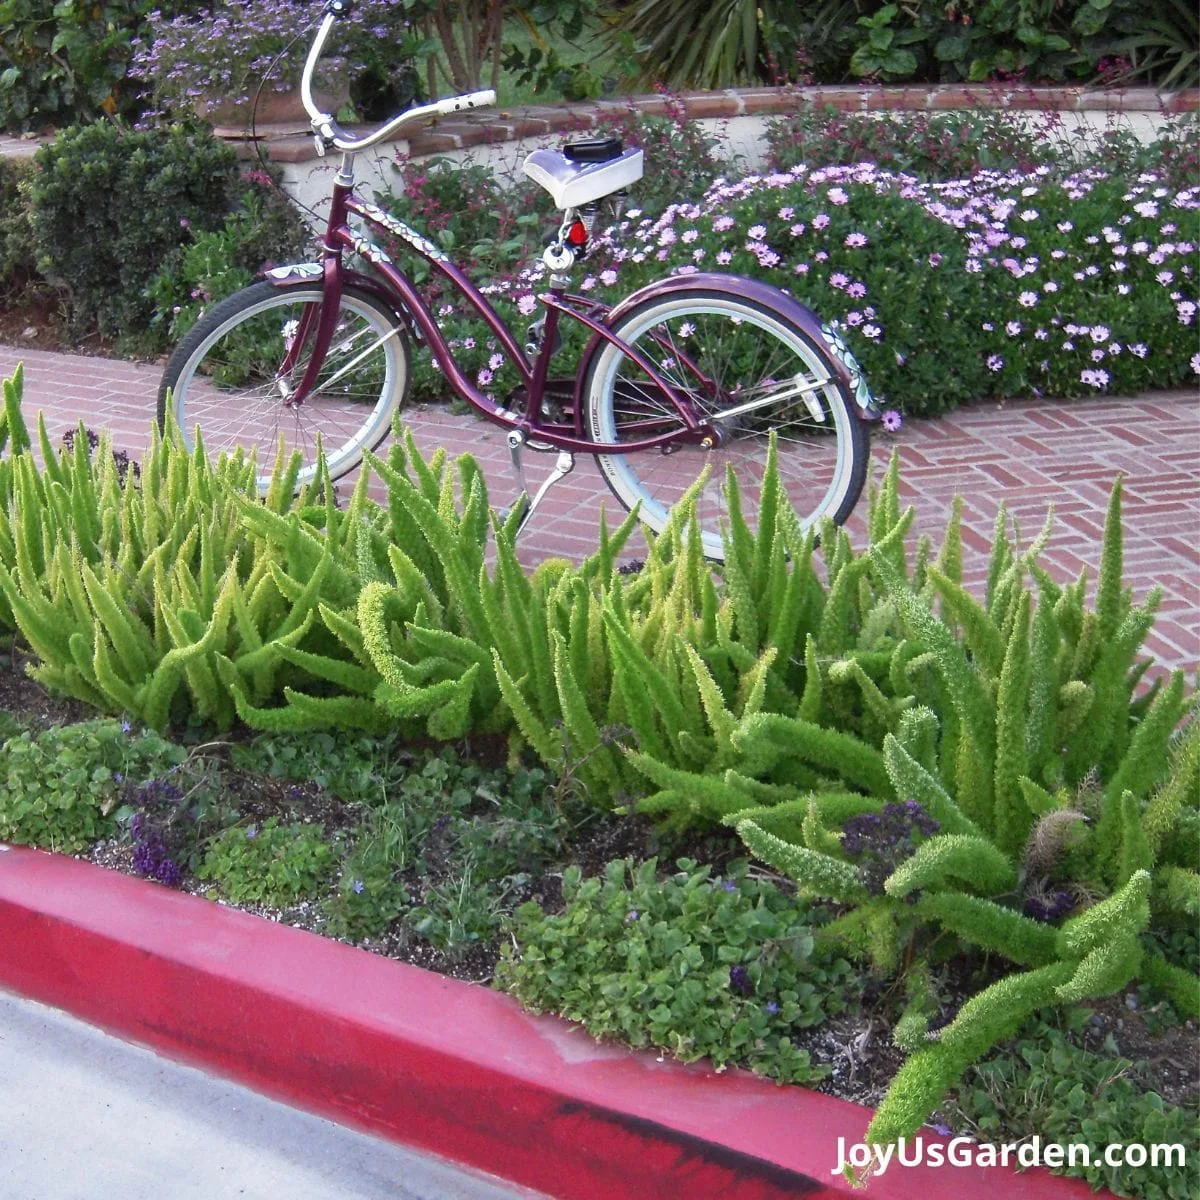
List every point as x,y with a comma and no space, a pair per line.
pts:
472,100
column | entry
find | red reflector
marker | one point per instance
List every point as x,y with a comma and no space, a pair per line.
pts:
577,234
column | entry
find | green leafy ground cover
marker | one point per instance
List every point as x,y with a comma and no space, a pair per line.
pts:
872,798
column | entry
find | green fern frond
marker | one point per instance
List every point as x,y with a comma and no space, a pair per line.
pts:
990,926
952,859
815,874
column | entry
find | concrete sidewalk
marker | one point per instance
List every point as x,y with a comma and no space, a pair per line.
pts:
84,1116
1024,454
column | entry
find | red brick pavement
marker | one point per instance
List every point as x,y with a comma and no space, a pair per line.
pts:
1026,455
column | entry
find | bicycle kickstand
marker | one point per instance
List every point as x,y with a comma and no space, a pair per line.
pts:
563,466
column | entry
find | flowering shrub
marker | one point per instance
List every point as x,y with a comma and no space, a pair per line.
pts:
1006,284
1054,275
947,146
940,145
231,49
877,842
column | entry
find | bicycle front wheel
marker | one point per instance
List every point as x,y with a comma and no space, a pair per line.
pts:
751,371
226,378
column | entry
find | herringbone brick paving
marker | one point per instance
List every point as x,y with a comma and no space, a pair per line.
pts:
1026,455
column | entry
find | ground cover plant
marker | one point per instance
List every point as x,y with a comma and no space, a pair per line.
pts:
1053,1087
726,969
932,779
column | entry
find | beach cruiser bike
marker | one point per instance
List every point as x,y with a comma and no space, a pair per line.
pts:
691,371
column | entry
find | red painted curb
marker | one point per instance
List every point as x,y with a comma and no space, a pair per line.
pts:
425,1060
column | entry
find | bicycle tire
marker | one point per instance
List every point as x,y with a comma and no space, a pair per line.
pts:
822,464
222,379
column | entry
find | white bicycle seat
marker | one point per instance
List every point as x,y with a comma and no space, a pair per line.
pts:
574,184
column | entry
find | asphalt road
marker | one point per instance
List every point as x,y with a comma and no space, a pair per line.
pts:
85,1116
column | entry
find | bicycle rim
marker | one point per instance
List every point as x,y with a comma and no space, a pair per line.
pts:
231,387
731,357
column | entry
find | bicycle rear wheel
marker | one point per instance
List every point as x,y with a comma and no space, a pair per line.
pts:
753,372
225,379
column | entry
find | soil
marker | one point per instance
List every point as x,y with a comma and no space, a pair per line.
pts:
36,322
855,1046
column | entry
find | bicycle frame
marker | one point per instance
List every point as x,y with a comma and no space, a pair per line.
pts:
400,293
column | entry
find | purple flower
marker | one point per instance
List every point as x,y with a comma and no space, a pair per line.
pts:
740,981
168,873
771,1007
358,887
891,420
994,362
1050,908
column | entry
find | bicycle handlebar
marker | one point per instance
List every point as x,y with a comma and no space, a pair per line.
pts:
330,131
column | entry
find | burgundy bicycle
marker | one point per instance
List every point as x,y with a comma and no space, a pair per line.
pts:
690,371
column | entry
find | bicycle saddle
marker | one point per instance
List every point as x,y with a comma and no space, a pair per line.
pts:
573,179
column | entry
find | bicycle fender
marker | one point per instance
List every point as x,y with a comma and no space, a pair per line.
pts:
775,300
293,273
296,274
